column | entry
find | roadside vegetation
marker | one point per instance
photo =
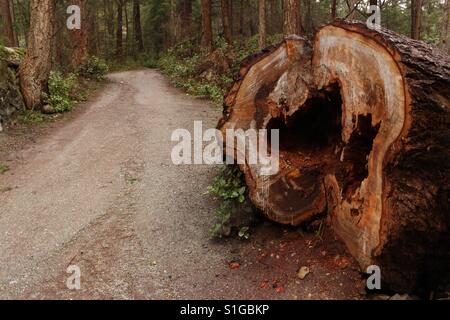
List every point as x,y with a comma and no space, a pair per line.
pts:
235,213
205,74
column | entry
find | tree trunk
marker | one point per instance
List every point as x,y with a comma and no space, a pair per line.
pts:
291,24
186,18
207,40
308,24
352,9
371,152
127,24
119,32
227,32
416,15
35,68
137,28
333,9
262,24
93,34
79,38
7,33
241,18
444,42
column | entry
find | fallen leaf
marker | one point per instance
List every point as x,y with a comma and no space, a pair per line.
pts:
279,289
264,284
303,272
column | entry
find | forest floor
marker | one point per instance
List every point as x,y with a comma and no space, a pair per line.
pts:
99,190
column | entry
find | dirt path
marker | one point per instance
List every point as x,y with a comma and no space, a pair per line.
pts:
101,192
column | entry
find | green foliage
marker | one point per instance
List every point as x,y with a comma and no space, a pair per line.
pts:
184,65
60,88
31,117
182,72
3,52
150,61
94,68
229,187
3,168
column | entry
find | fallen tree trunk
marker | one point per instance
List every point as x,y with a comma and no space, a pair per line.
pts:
364,138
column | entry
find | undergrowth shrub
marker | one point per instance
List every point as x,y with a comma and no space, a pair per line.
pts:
60,88
235,213
94,68
203,74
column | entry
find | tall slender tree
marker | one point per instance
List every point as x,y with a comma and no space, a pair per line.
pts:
308,24
137,29
333,9
416,16
226,21
7,32
352,4
444,38
207,40
262,24
291,10
79,37
186,18
35,68
119,32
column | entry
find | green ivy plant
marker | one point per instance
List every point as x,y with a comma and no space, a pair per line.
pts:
229,187
60,88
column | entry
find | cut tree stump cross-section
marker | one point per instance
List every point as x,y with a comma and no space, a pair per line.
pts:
364,138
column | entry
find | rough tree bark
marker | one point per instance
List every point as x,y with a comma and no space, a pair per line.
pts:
186,18
364,139
7,32
119,32
352,10
308,24
226,21
79,37
416,15
207,40
444,41
137,29
35,69
333,9
291,21
262,24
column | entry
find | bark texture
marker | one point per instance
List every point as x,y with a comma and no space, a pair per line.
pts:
445,28
7,32
79,37
226,21
186,18
262,24
206,24
364,139
416,16
291,13
137,29
35,69
119,31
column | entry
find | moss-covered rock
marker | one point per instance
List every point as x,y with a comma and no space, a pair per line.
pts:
11,101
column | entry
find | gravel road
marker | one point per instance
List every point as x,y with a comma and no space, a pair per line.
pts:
100,192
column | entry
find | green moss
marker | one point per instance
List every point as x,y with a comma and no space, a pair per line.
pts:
3,168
